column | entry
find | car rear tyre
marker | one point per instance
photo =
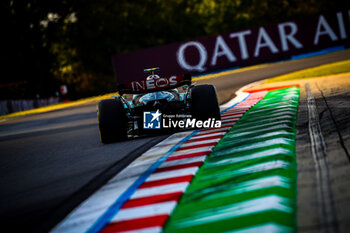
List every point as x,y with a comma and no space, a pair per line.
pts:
204,102
112,120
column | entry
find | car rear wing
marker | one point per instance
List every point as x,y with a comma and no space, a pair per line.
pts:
151,69
151,85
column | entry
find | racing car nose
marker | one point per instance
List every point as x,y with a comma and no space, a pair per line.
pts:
156,105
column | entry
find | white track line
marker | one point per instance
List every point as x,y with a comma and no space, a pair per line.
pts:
165,189
182,161
145,211
172,174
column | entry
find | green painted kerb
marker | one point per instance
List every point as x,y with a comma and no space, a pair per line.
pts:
248,182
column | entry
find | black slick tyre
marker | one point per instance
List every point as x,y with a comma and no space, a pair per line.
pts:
112,120
204,102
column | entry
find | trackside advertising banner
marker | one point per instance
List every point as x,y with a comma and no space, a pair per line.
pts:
237,49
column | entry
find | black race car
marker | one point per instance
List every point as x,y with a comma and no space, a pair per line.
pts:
120,118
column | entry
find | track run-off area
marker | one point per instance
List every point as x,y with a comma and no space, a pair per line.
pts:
279,163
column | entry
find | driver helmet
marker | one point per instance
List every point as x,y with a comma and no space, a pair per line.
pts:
153,76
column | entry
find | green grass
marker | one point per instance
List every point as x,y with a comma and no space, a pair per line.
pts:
319,71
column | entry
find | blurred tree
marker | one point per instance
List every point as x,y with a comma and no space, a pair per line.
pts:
26,47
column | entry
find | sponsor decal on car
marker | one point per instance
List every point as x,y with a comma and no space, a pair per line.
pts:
154,84
157,120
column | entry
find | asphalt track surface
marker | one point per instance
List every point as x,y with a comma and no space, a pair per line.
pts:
50,162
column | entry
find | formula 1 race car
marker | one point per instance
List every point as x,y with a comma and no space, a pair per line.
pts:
120,118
